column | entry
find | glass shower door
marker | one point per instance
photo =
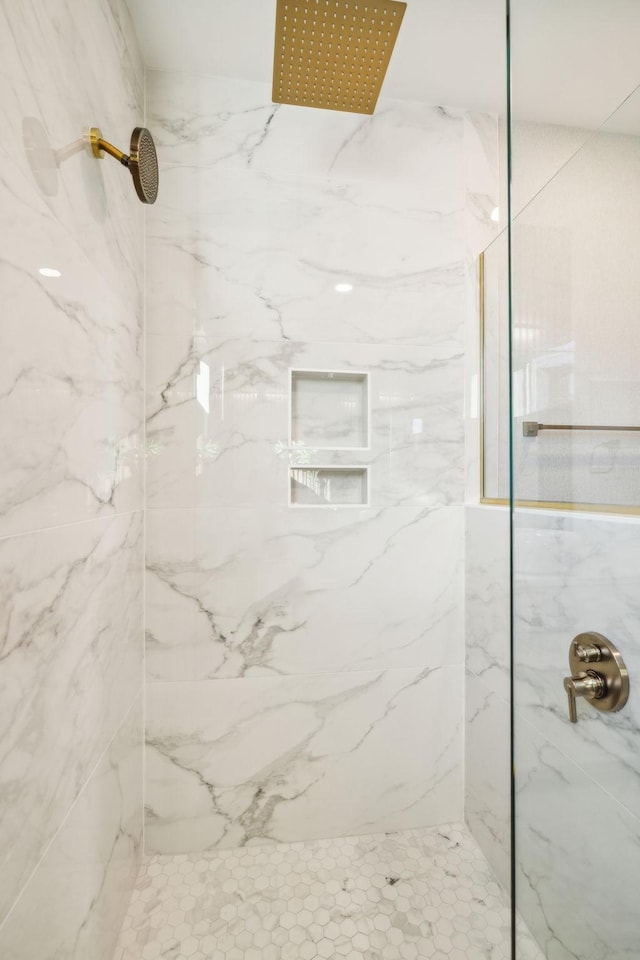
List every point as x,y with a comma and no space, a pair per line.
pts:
575,462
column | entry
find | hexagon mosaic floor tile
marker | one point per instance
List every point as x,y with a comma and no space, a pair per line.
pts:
404,896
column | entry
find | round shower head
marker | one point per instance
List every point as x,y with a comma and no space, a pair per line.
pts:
143,164
142,161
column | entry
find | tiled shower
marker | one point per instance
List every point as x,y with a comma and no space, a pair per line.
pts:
256,634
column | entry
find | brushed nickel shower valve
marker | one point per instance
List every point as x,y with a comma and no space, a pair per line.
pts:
606,688
591,687
588,652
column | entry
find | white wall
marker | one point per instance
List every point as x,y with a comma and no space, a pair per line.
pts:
304,664
71,492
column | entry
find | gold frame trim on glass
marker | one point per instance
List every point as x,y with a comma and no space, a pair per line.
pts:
334,54
502,501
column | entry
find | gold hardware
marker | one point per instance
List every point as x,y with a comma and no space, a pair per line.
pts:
95,138
334,54
588,652
99,147
142,162
605,689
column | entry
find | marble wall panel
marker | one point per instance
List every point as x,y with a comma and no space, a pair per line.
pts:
74,903
71,415
244,592
487,773
231,762
249,254
71,406
53,80
71,666
487,596
218,421
264,212
573,574
574,882
229,125
487,684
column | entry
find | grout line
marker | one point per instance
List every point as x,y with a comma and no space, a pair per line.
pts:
275,677
539,736
71,523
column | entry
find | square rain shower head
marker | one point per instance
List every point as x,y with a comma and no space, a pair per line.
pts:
334,54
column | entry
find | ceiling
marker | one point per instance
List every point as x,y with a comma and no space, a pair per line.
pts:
573,61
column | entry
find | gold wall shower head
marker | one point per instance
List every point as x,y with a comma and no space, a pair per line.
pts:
334,54
142,162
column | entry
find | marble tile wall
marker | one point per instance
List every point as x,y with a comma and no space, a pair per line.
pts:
487,694
486,553
572,573
71,415
75,901
575,573
304,665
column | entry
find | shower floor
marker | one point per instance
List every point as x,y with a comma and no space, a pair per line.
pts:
403,896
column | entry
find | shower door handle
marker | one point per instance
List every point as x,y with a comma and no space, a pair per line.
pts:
605,688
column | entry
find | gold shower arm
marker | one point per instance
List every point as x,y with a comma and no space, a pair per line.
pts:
99,146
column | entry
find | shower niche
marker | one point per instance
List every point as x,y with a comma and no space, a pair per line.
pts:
329,486
329,411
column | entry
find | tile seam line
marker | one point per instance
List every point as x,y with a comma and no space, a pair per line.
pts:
299,676
634,816
81,792
71,523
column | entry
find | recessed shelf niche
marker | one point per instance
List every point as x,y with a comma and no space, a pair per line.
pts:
329,409
329,486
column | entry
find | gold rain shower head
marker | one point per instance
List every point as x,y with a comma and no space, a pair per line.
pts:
334,54
142,162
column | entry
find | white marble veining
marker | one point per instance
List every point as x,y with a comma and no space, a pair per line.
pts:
74,902
282,611
70,650
575,573
218,421
487,774
341,591
487,683
71,402
248,254
575,883
236,761
230,125
52,79
71,415
487,596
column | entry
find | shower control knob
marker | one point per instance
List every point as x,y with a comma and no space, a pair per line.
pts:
605,689
588,652
592,687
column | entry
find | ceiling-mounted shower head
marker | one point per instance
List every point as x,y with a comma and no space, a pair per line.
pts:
142,161
334,54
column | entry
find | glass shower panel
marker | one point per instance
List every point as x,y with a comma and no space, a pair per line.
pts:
575,406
